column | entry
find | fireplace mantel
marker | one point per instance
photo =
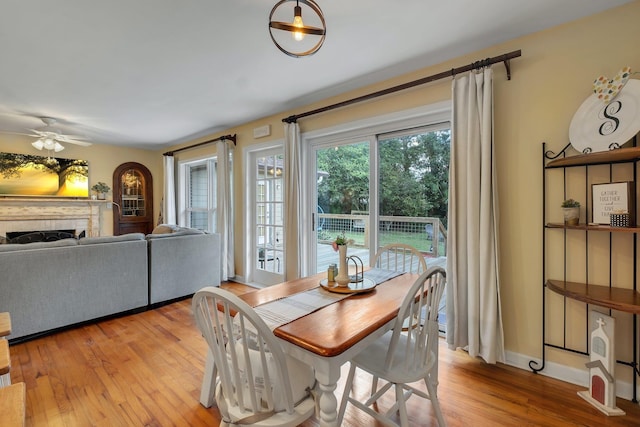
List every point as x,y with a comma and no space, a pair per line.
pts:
29,214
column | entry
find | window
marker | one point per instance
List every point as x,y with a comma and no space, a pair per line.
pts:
198,195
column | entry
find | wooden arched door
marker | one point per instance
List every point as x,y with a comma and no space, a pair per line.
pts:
133,192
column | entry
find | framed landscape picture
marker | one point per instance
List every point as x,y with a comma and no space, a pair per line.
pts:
43,176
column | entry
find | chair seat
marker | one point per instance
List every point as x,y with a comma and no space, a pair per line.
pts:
303,411
374,359
403,357
257,384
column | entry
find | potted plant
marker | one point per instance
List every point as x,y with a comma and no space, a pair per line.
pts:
101,189
571,210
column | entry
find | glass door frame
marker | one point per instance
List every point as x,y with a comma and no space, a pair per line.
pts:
251,154
311,237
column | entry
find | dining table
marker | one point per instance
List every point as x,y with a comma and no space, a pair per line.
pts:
330,336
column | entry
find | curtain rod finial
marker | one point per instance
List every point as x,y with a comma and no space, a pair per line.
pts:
507,65
291,119
231,138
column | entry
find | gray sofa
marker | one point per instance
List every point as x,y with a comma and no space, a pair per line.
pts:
49,285
182,262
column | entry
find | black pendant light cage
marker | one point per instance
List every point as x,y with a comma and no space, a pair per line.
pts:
287,26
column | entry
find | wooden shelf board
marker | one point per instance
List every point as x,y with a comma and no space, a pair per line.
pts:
619,299
5,324
620,155
595,228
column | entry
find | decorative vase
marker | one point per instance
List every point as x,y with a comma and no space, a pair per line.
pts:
571,215
343,278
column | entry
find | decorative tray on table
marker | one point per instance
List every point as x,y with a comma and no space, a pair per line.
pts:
365,285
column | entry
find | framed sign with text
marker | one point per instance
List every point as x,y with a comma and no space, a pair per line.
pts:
614,197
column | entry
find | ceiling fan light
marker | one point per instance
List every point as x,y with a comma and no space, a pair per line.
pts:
38,144
49,144
57,147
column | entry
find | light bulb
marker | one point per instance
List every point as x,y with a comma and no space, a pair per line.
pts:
297,22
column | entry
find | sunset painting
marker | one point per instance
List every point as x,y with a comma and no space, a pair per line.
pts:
29,175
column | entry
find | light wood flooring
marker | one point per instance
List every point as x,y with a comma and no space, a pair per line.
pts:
146,369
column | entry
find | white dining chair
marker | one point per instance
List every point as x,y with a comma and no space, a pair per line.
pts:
401,358
257,383
400,257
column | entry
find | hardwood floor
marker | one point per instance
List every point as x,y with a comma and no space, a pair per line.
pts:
146,370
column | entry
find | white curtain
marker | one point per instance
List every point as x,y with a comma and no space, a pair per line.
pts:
474,319
168,205
224,208
293,198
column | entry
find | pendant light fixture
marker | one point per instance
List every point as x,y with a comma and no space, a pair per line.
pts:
303,40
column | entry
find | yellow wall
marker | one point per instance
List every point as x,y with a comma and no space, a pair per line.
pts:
549,82
103,160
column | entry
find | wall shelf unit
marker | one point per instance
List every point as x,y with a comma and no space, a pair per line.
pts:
614,295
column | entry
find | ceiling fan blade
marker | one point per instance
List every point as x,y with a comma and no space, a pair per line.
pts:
18,133
81,143
71,138
38,132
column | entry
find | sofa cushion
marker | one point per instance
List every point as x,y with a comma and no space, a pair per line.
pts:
165,229
181,231
38,245
111,239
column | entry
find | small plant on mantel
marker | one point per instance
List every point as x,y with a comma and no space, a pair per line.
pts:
571,211
100,189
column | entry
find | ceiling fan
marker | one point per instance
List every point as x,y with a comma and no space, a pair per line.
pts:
50,138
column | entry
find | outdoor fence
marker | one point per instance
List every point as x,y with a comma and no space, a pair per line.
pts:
426,234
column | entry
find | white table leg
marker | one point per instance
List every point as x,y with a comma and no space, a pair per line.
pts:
208,382
328,405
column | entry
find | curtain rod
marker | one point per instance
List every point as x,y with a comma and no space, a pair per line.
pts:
474,65
231,138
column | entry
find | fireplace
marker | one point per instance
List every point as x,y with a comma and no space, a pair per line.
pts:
34,236
28,214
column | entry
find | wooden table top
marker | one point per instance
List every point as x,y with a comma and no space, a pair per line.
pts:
5,324
336,327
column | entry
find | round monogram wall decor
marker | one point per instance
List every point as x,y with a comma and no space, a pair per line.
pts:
599,126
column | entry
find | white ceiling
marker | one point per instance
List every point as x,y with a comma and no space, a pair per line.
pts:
153,73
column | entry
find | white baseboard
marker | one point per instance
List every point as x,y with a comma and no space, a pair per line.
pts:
568,374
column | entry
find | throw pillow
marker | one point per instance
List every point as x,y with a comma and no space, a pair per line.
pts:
165,229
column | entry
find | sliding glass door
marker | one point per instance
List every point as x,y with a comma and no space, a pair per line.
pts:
342,194
389,188
413,189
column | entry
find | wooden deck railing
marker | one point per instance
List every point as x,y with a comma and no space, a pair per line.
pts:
427,234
